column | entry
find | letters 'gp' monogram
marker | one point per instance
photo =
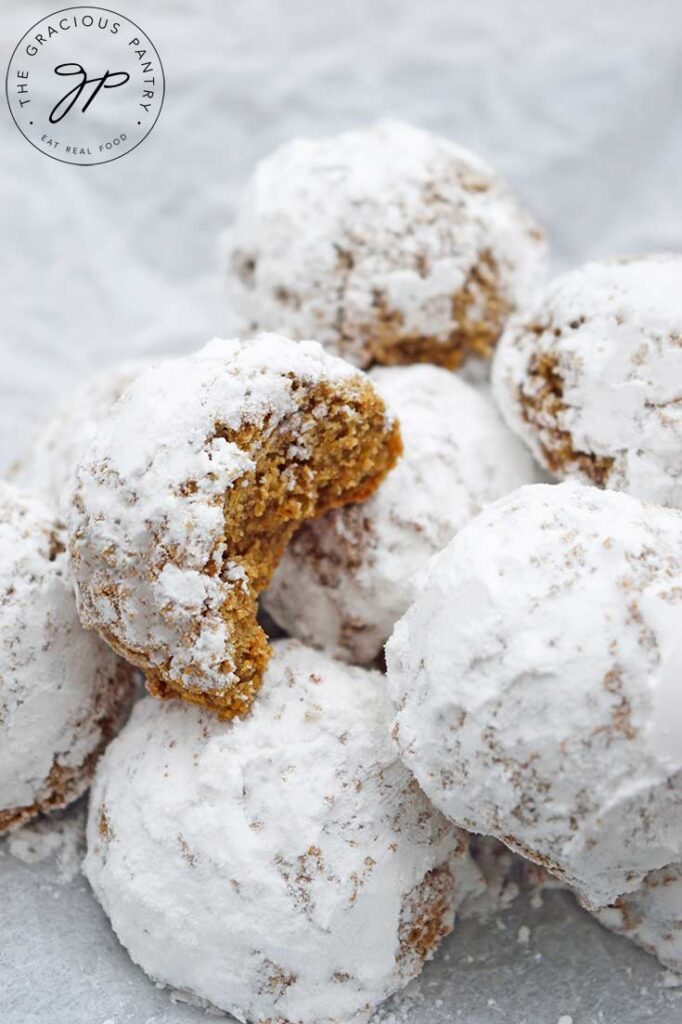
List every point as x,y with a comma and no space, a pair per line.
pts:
109,80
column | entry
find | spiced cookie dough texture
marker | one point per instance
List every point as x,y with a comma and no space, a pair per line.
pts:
63,693
291,848
192,487
345,579
48,466
388,244
591,378
537,683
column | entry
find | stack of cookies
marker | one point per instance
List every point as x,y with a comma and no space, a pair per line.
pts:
468,647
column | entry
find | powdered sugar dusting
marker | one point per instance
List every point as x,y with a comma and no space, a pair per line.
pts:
47,467
62,691
316,913
528,672
591,377
392,218
652,917
63,839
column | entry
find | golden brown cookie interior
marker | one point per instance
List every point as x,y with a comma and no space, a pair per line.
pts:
348,446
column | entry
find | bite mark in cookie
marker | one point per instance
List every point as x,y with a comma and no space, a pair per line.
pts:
173,542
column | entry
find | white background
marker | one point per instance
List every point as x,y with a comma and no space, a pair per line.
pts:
578,103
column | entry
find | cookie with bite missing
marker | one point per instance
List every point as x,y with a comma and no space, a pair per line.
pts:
192,487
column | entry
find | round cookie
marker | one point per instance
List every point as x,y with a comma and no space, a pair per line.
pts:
63,693
48,466
590,379
388,244
345,579
537,685
652,916
190,491
285,866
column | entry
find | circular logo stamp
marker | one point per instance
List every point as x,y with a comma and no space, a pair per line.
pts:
85,85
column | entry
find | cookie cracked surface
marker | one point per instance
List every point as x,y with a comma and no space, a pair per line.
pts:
388,244
537,684
591,377
63,693
286,866
190,490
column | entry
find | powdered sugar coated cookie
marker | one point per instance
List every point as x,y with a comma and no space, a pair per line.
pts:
536,680
388,244
285,866
63,693
591,377
190,490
